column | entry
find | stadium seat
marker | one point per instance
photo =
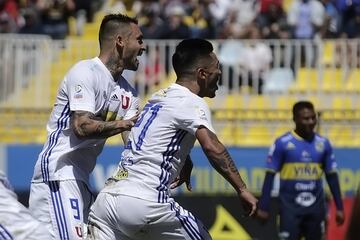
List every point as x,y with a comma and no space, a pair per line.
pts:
328,54
307,79
278,80
332,80
256,135
340,135
353,82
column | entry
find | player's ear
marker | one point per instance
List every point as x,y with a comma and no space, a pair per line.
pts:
119,43
201,73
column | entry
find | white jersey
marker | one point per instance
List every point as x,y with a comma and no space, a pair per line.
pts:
159,144
88,86
16,222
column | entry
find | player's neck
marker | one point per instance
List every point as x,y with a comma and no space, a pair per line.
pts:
304,135
112,65
191,85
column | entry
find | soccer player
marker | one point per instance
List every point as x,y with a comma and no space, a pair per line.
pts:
136,203
301,156
16,222
93,103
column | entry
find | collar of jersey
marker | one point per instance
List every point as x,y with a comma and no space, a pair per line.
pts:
295,135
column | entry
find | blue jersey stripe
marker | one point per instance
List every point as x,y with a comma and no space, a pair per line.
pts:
53,139
5,234
155,109
187,222
168,155
59,213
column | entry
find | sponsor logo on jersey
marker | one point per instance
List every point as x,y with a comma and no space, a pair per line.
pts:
305,186
305,199
78,96
301,171
78,88
115,98
305,156
290,145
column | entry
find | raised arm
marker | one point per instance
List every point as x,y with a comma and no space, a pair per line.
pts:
87,125
221,160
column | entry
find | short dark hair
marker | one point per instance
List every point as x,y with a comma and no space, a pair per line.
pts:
110,24
298,106
188,52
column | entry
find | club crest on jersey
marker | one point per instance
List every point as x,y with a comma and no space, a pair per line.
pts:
125,100
319,146
78,231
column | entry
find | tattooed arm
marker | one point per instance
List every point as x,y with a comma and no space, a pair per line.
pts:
221,160
87,125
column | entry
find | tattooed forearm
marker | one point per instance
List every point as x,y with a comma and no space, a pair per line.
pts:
223,163
220,158
87,125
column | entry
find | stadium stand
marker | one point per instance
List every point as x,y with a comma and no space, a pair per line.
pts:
241,115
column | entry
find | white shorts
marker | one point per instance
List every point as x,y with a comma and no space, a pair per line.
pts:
123,217
16,221
63,206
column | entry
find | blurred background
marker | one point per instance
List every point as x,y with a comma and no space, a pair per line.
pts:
272,54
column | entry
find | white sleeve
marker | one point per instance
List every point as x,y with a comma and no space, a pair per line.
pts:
133,109
81,87
193,114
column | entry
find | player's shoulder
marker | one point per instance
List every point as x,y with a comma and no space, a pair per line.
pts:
87,67
321,139
285,137
126,86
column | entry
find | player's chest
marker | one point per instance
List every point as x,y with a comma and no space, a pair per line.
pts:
306,152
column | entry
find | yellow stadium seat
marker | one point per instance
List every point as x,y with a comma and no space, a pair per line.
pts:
227,135
332,80
353,82
341,102
328,53
257,135
340,135
306,80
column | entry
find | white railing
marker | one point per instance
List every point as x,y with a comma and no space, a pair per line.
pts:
31,67
25,61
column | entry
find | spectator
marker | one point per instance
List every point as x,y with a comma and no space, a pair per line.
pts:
10,19
255,61
331,27
32,22
306,17
272,22
174,27
54,16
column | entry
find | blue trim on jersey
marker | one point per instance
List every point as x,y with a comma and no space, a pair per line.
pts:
58,210
187,222
4,234
53,139
155,109
168,155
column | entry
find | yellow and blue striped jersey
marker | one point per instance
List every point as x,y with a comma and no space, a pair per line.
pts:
301,164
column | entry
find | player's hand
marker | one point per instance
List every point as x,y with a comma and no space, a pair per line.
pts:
184,176
340,218
126,125
249,202
263,216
